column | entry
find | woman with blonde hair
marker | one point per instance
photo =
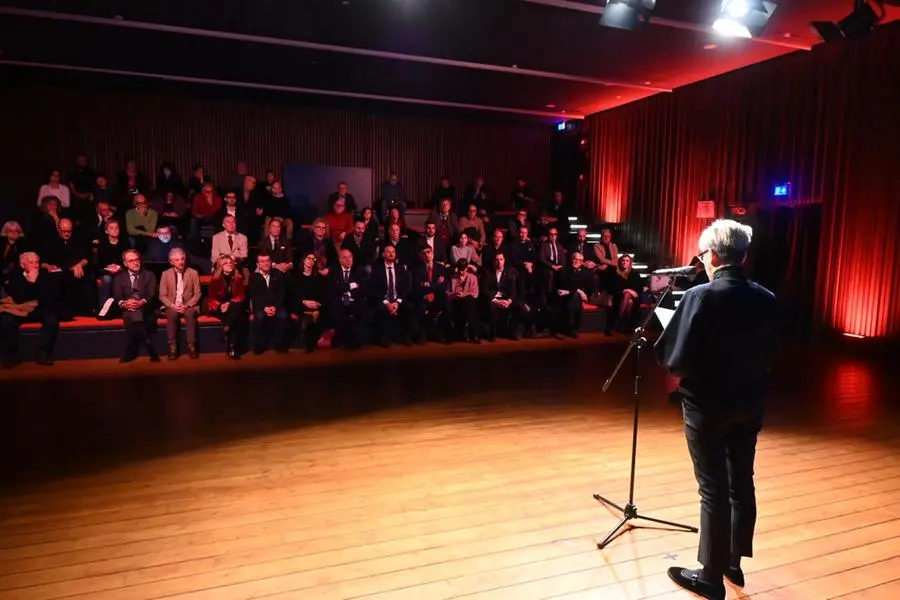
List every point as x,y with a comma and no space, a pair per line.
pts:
227,301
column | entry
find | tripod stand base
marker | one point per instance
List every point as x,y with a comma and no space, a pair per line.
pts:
629,513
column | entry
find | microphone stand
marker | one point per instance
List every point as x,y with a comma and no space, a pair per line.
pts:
630,510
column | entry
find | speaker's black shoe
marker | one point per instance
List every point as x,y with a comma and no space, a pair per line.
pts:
689,579
735,575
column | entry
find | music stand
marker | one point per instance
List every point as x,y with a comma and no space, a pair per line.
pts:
630,510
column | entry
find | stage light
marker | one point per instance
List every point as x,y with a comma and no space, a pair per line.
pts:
627,14
743,18
860,22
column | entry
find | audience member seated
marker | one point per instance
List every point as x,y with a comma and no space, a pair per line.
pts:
429,297
230,208
81,179
317,242
476,193
309,290
198,182
172,210
462,302
55,188
446,222
343,195
134,291
12,245
46,222
607,254
69,256
141,223
157,251
517,223
444,191
346,302
168,180
389,298
394,216
278,246
362,245
575,287
556,215
471,220
625,291
582,246
251,203
268,300
230,242
179,293
94,225
236,180
461,250
339,221
495,247
439,247
391,196
103,193
131,183
523,198
403,247
110,251
270,179
279,207
206,207
552,263
368,217
227,302
33,296
523,258
500,290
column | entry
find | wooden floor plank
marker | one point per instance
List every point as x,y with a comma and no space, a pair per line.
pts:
476,494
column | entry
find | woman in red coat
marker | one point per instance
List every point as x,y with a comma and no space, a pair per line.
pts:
227,301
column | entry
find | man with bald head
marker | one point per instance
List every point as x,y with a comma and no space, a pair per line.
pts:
68,254
346,302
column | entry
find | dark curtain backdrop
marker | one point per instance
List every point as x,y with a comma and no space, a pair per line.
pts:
45,125
827,120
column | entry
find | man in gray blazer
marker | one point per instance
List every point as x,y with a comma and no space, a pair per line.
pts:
134,291
179,293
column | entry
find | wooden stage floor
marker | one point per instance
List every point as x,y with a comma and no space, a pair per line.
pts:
428,475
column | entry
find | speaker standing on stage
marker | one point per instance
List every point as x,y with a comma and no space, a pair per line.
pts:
721,342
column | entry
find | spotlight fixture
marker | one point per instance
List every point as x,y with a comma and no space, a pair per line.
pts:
627,14
857,24
743,18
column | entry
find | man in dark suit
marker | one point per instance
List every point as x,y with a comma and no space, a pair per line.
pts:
388,289
69,255
362,245
499,293
576,284
552,262
429,297
268,293
317,242
439,247
582,246
33,296
344,194
404,248
722,342
496,246
134,291
346,302
244,217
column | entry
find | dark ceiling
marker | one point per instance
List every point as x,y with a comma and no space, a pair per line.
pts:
542,57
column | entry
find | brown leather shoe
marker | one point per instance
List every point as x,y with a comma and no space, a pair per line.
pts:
173,352
192,351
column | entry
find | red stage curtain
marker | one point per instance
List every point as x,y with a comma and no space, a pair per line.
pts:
828,121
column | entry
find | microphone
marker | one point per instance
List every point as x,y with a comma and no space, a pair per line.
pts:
688,270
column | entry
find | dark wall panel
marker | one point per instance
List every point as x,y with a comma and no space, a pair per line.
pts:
47,124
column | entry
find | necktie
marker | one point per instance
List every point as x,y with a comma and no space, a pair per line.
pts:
391,291
230,242
429,269
346,276
345,297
